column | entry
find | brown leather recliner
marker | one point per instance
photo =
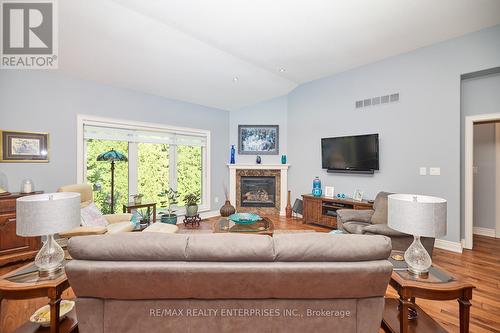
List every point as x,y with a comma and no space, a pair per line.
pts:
374,222
310,282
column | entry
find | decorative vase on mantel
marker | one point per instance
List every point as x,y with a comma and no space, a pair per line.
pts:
227,209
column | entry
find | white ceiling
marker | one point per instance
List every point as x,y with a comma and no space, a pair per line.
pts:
192,49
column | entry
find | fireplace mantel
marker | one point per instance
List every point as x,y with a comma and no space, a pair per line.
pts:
283,169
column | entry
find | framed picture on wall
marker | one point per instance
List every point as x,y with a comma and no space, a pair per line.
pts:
24,147
258,139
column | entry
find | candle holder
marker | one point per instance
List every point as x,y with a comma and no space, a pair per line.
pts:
27,186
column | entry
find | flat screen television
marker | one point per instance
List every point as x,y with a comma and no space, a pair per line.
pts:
350,154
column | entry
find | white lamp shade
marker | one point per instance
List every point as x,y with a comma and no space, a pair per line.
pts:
417,215
47,214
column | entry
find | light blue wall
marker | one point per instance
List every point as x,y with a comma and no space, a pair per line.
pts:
423,129
49,102
271,112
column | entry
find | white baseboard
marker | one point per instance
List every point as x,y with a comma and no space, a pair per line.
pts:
448,245
484,232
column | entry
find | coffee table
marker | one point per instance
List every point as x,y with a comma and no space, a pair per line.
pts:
263,227
439,285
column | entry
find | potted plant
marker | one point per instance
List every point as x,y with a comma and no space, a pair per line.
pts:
144,216
137,198
171,197
191,200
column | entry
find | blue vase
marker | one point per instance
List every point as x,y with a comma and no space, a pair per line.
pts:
283,159
258,160
233,152
316,191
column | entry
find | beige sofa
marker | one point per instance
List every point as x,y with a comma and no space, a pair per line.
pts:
118,223
155,282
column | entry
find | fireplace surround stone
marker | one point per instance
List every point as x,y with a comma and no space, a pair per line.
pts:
278,171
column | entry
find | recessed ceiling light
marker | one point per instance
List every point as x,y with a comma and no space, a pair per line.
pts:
235,79
282,69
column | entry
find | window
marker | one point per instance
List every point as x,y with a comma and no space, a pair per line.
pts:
153,170
159,157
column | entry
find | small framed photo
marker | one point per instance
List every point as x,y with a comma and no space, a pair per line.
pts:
329,191
358,195
24,147
258,139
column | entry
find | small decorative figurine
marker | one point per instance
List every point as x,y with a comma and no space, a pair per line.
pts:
258,160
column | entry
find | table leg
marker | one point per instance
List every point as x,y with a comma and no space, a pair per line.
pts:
148,210
404,305
464,314
54,314
154,213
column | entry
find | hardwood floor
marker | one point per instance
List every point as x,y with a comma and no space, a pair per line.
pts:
480,266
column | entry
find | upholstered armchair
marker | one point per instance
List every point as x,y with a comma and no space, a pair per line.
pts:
117,222
374,222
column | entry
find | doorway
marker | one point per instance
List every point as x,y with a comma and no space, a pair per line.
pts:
482,176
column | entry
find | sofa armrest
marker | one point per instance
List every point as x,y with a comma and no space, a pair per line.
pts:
115,218
359,215
83,231
383,229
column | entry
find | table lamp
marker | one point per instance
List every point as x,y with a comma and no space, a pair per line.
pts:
420,216
47,214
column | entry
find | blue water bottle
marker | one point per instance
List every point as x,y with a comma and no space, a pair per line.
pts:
233,152
316,191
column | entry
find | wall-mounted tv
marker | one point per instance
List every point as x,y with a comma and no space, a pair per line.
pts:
350,154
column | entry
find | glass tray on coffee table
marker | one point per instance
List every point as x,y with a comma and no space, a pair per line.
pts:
264,226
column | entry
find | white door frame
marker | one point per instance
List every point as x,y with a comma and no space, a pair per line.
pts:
469,172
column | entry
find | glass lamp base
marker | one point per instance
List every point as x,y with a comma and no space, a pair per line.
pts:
417,258
49,259
50,275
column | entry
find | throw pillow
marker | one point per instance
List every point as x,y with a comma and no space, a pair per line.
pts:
92,217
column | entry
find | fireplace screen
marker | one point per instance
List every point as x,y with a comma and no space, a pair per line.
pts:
258,191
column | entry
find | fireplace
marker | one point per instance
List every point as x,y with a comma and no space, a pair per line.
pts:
258,191
258,188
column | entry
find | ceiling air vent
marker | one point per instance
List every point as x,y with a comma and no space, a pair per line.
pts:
374,101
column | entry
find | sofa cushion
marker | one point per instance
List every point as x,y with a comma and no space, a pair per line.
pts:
119,227
230,247
130,246
321,247
380,207
354,227
162,227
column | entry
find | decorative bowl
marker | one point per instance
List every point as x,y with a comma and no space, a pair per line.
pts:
244,218
42,315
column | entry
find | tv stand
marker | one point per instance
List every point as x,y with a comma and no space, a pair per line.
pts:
323,210
359,172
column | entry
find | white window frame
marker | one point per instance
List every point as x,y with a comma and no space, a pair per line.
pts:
83,120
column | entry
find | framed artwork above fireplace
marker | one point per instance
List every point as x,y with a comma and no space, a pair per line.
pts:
258,139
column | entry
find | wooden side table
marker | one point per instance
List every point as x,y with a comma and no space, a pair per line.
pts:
127,208
439,285
23,283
